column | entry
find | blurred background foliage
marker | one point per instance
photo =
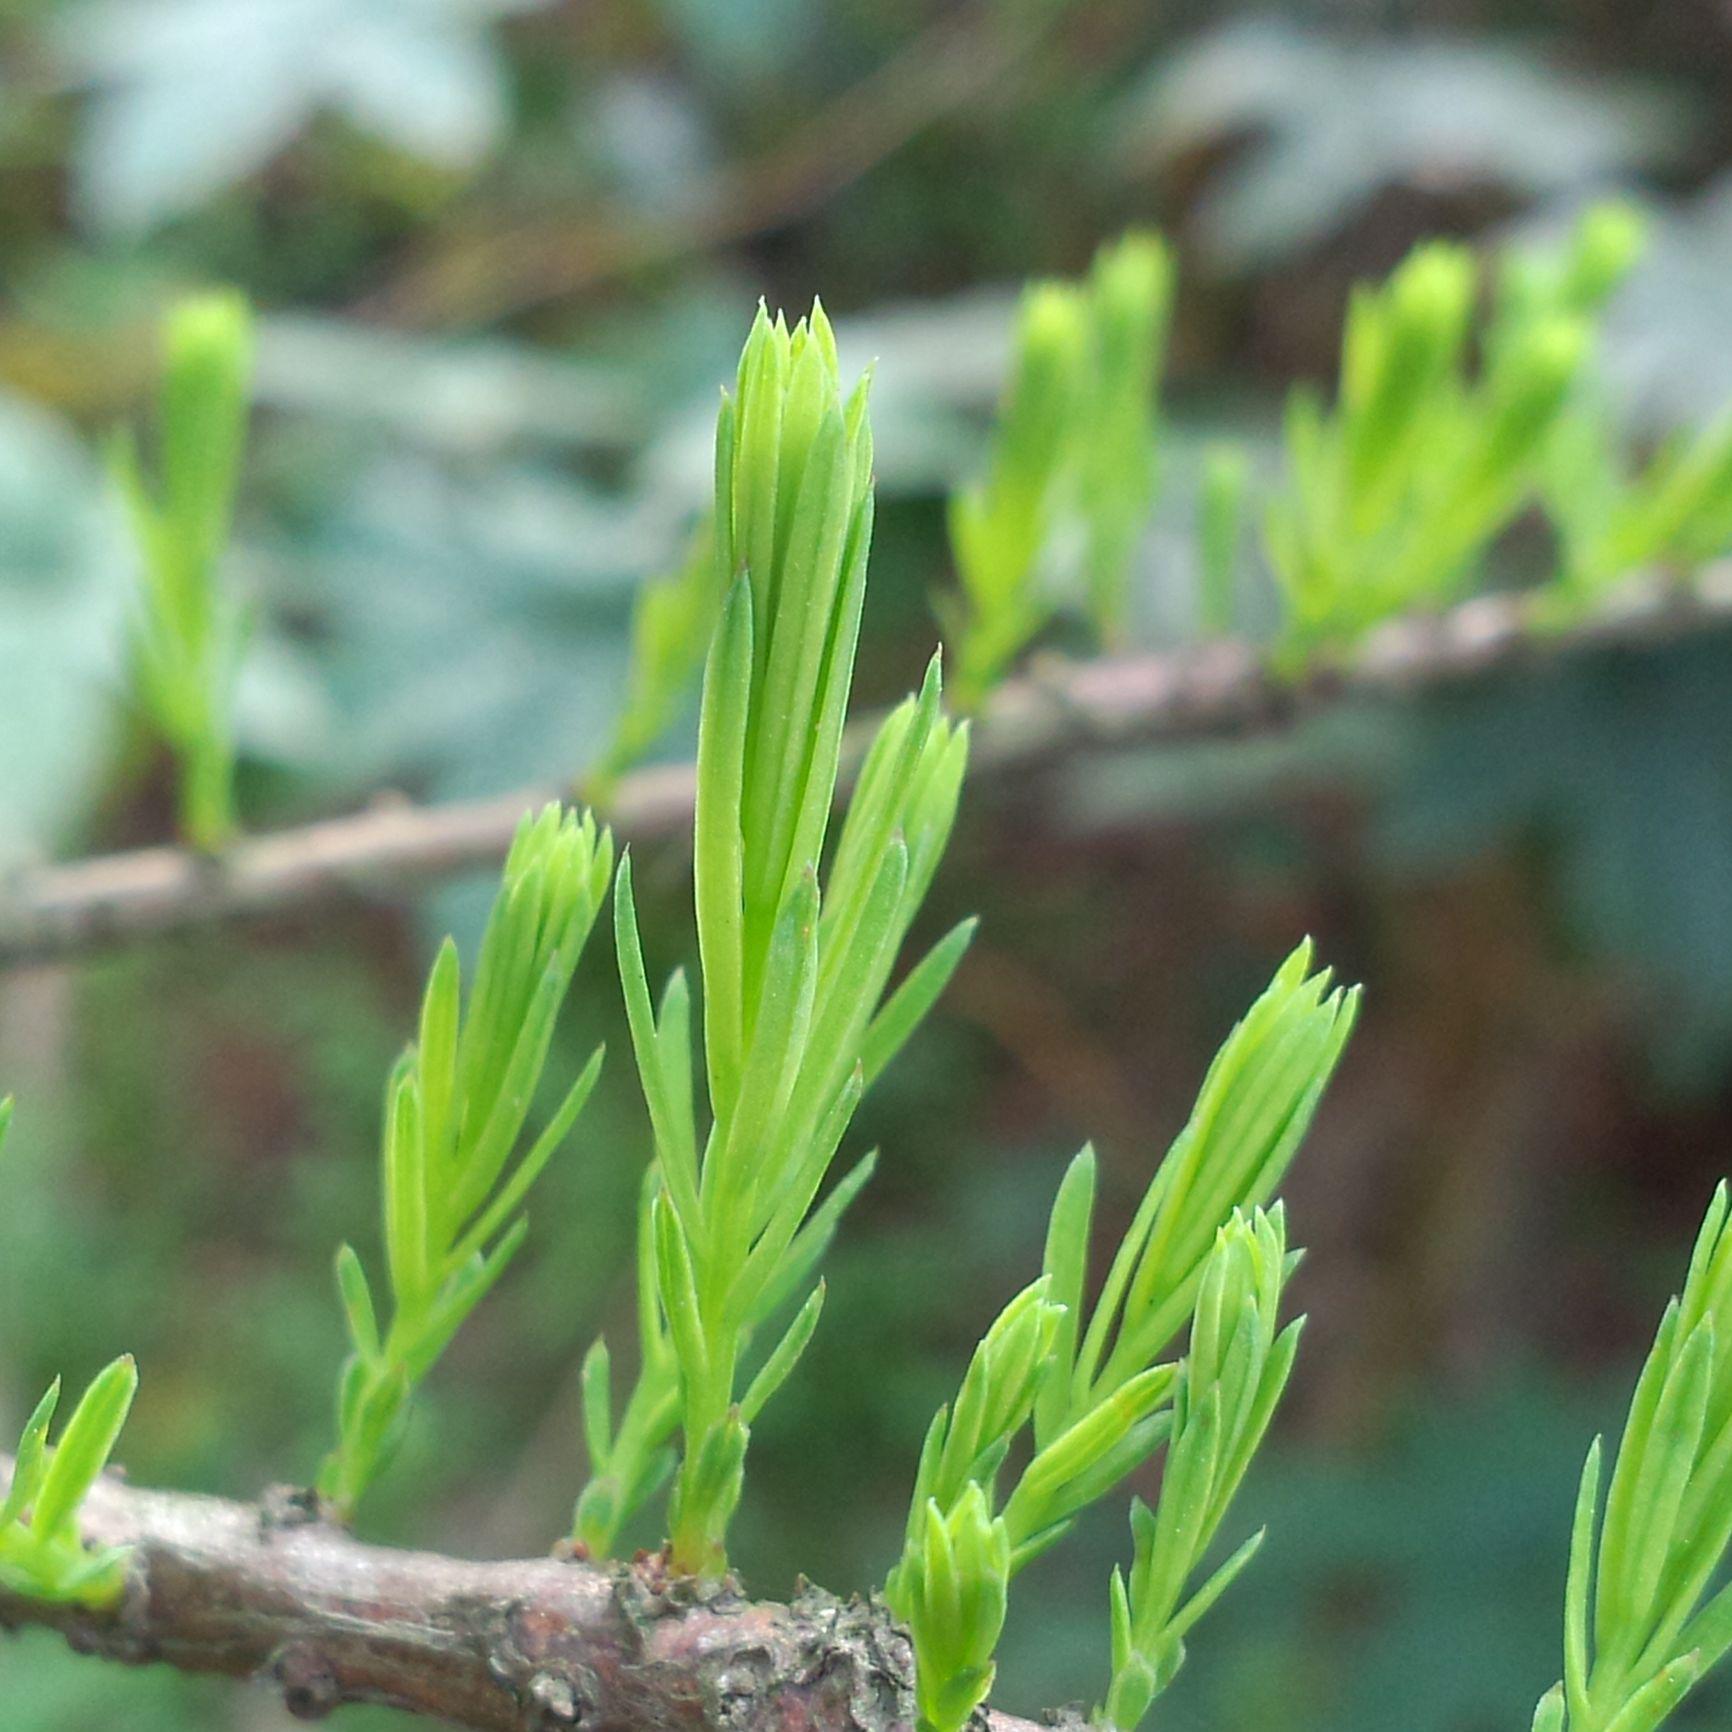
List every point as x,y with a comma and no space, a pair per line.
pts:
504,252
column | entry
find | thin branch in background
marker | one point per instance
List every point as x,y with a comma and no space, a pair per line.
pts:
963,57
1220,690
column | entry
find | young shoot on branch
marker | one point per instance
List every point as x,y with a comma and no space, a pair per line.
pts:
1225,1393
1095,1388
455,1111
1674,514
795,1019
41,1553
672,622
1130,293
1071,471
952,1584
1001,527
188,630
1221,493
1395,497
1641,1626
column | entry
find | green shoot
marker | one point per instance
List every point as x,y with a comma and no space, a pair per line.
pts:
1220,535
1575,279
1002,526
1675,515
1072,468
631,1463
1093,1387
795,1021
952,1594
952,1582
455,1111
1227,1390
1253,1110
41,1551
188,631
1396,497
672,623
1117,435
1641,1626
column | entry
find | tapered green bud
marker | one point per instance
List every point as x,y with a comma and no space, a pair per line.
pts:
1530,386
1132,282
1643,1618
1050,340
207,362
1220,530
998,1390
999,528
673,619
456,1171
1251,1114
186,635
1130,294
792,533
954,1594
1231,1381
1549,1715
1402,342
42,1554
1608,241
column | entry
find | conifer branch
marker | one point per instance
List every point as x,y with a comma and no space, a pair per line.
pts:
276,1593
1216,690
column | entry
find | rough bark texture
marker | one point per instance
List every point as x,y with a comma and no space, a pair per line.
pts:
272,1592
1215,691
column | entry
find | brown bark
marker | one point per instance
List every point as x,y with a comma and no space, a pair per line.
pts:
1218,690
272,1592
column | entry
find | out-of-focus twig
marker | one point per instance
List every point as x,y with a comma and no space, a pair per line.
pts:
1217,690
965,56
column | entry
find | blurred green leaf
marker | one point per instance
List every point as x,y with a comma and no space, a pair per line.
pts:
62,606
189,97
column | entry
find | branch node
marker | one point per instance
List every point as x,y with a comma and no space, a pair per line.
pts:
310,1688
284,1508
1067,1717
556,1699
